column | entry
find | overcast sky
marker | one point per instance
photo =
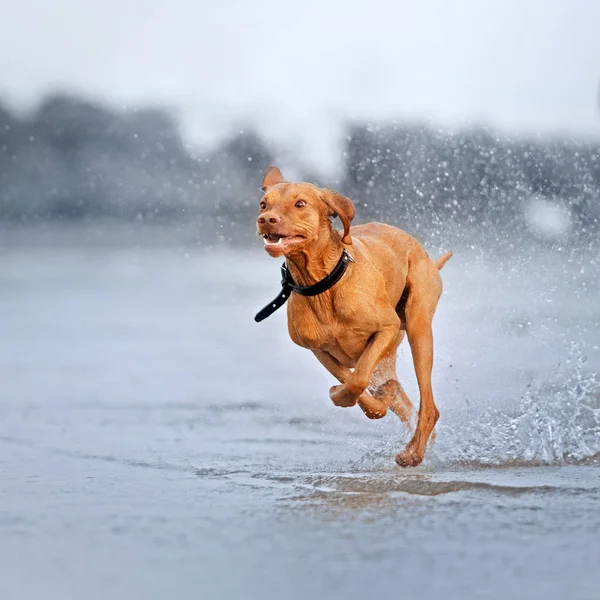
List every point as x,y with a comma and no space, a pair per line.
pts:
299,68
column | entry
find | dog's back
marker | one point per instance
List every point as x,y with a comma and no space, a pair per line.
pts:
394,253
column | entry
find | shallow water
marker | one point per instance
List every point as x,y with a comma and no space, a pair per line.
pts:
155,440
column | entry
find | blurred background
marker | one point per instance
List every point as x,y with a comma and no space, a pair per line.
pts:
156,442
446,117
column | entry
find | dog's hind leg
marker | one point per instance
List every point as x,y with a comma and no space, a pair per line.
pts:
426,288
385,386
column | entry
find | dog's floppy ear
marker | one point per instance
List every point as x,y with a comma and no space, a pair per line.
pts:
272,177
342,207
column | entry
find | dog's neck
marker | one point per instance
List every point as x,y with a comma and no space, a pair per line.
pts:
310,265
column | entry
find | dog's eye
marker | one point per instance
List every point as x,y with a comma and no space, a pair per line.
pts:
263,205
300,204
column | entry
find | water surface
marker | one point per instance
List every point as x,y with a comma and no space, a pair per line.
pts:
156,441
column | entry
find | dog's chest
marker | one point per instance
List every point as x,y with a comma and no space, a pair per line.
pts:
323,327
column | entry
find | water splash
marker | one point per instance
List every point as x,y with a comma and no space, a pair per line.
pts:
554,423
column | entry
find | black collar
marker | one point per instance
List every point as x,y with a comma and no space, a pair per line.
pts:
288,286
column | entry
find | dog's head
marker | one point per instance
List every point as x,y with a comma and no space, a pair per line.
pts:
293,216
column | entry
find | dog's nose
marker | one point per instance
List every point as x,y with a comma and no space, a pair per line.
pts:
268,217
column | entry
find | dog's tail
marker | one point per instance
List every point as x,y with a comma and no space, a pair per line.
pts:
442,260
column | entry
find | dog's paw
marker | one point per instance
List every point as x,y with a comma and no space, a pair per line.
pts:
409,458
373,408
341,397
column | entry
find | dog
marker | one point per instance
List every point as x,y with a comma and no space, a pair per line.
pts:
388,287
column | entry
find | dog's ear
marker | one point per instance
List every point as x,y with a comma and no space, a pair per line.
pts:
342,207
272,177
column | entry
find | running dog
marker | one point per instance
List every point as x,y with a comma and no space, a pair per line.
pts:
351,297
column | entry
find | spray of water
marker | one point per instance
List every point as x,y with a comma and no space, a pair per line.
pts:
554,423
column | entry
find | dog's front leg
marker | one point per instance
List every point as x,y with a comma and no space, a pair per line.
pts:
372,407
358,380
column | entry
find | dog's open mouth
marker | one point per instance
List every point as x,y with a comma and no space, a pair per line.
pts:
275,239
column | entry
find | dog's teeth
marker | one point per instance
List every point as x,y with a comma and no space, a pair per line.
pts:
269,240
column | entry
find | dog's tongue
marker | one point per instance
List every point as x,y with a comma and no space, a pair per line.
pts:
273,237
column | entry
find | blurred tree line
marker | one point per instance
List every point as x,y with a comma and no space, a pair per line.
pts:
474,178
78,160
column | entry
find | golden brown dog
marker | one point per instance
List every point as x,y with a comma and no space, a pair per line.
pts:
392,287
